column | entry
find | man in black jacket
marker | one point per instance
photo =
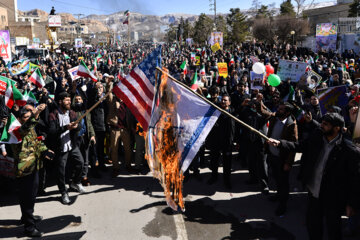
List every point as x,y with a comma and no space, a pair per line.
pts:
220,141
330,170
63,129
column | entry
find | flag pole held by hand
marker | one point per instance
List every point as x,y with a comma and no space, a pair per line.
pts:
217,107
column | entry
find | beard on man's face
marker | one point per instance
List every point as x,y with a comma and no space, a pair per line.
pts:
66,106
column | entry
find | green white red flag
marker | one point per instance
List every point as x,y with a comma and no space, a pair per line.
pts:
11,134
37,79
84,71
11,93
30,97
194,85
202,70
184,67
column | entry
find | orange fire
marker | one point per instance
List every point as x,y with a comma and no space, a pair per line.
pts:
165,165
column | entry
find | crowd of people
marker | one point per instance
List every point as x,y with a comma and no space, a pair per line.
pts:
53,142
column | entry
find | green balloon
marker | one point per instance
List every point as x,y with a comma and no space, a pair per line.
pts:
274,80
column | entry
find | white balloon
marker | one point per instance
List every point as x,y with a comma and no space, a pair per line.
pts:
259,68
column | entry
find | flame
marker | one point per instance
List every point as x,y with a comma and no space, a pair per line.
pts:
165,163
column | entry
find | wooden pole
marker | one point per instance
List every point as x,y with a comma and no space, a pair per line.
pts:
92,107
129,35
217,107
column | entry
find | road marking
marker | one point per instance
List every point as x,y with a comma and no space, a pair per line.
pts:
180,227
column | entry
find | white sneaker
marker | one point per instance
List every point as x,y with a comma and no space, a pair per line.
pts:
78,187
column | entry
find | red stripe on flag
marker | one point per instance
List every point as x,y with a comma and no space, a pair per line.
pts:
136,95
38,84
142,84
86,75
144,123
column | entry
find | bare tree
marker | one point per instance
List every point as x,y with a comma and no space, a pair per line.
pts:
299,6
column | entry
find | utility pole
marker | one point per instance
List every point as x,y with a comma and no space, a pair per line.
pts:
78,28
213,8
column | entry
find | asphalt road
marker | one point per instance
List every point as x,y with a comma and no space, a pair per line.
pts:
133,207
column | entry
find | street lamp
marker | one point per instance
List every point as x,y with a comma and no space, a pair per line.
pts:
293,35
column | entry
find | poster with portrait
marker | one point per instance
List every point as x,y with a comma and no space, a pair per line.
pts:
5,48
257,80
78,43
326,36
18,67
216,37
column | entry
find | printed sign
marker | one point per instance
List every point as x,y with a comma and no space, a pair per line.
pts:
223,70
291,69
19,67
5,50
197,60
335,96
326,36
78,43
54,20
257,80
216,37
73,73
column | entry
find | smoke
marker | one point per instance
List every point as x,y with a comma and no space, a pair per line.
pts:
123,5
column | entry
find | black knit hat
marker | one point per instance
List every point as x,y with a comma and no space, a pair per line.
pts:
334,119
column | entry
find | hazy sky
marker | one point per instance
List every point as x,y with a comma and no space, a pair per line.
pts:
155,7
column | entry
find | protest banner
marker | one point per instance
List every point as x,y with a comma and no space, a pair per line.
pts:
73,73
223,70
216,37
5,48
18,67
78,43
335,96
257,80
215,47
326,36
197,60
291,69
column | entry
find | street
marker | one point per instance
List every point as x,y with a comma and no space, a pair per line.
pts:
133,207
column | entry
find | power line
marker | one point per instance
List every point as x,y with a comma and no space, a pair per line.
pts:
81,6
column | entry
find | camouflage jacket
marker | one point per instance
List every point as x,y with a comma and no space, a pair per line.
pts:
27,154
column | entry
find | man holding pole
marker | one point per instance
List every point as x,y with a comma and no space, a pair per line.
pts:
64,128
330,171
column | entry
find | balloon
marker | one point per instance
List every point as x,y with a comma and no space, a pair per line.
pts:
274,80
258,68
269,70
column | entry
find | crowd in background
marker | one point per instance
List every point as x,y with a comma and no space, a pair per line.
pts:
76,153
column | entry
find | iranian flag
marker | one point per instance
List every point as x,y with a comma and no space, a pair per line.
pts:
9,97
11,93
98,57
202,70
11,134
94,66
194,85
183,67
109,60
231,60
30,97
66,56
37,79
83,71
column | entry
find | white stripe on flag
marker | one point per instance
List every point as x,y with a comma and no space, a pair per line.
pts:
194,119
133,99
139,89
147,82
